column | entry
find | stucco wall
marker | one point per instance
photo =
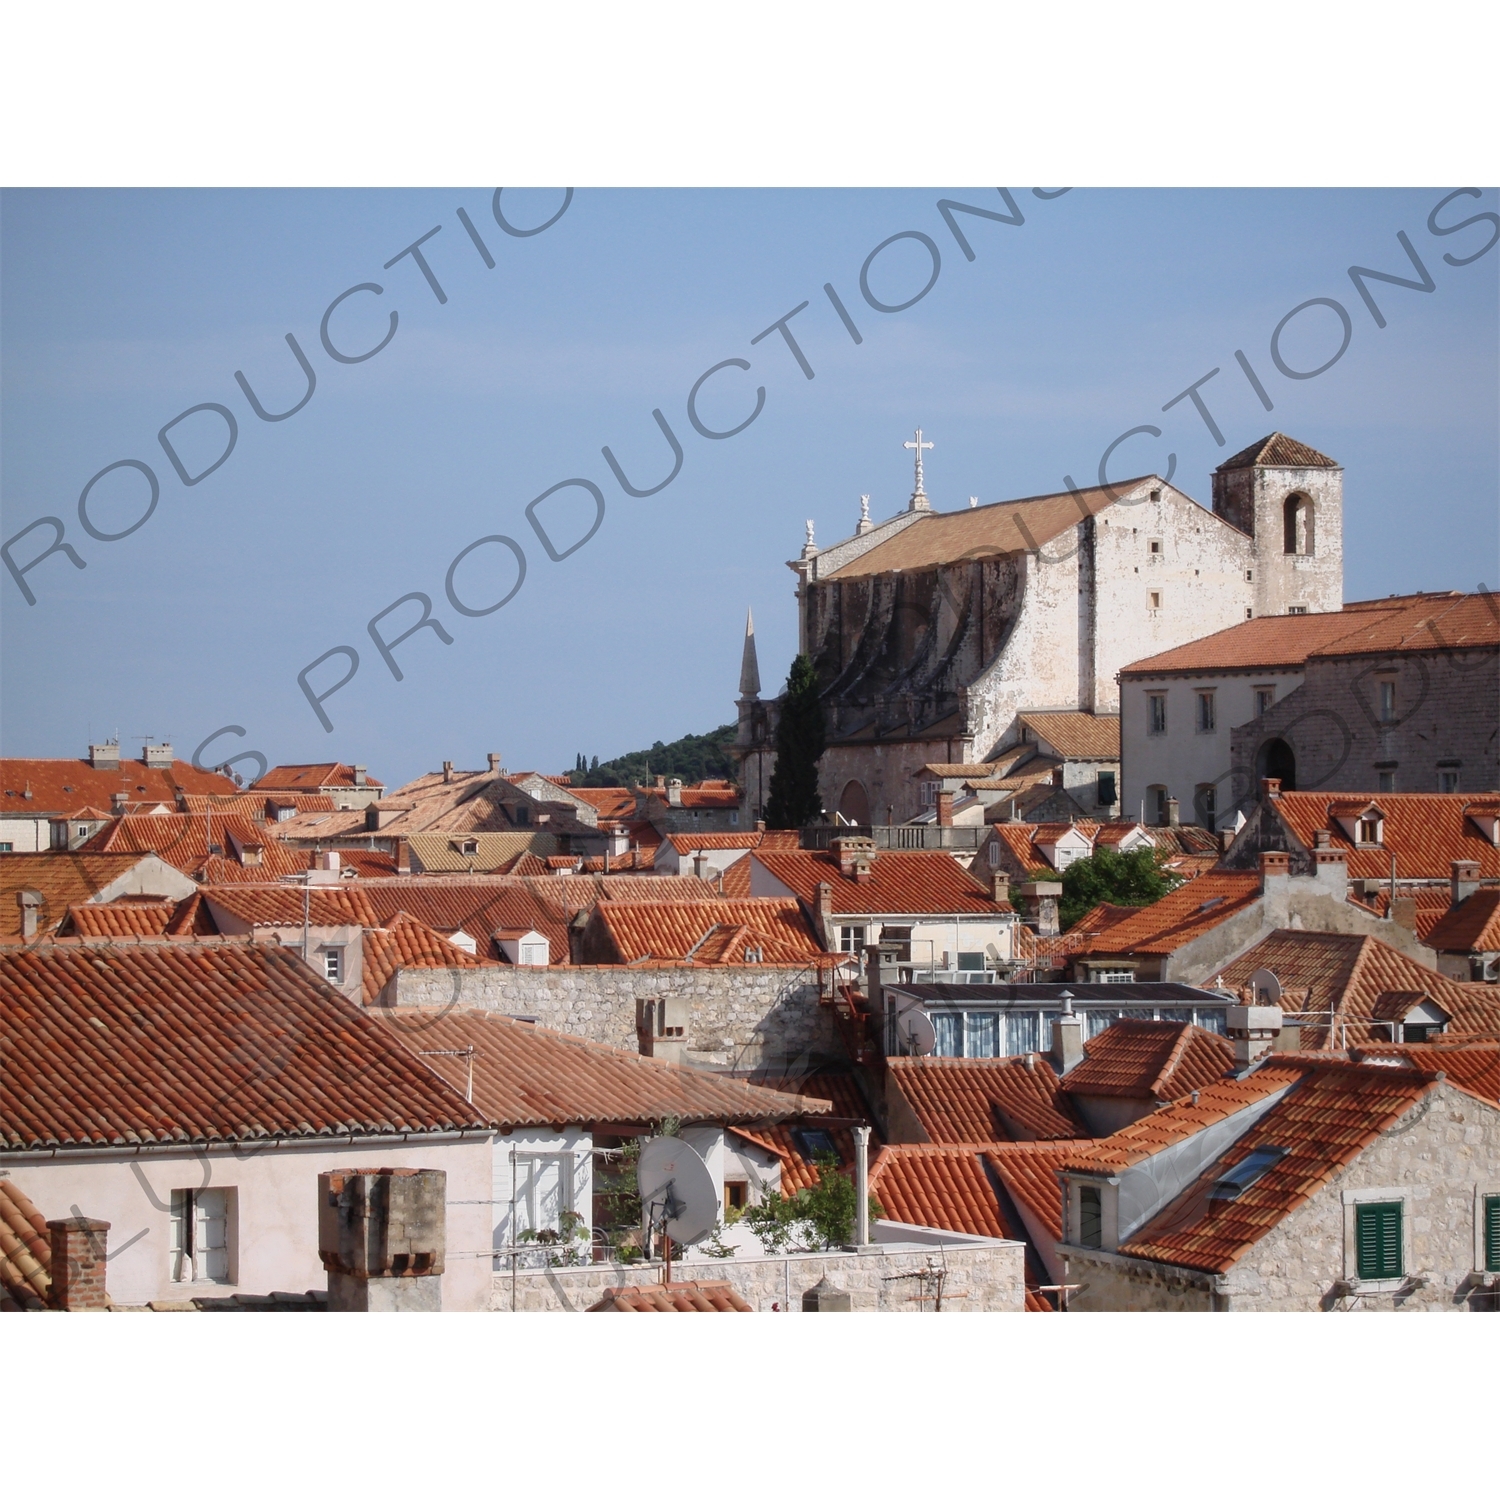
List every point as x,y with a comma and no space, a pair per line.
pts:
274,1221
740,1015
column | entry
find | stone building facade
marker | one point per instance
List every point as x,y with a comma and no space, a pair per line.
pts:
932,633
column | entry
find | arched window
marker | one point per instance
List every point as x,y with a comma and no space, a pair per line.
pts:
1275,759
1297,526
854,804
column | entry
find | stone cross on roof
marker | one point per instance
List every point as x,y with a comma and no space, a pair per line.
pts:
919,495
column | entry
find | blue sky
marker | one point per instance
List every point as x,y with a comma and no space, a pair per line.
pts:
121,309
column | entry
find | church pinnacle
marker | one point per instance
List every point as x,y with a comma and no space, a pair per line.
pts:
749,666
919,499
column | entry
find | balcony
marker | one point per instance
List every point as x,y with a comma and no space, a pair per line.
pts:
898,835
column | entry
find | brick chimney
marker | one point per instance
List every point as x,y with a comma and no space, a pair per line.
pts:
854,855
447,771
1270,788
1275,868
402,852
78,1264
945,809
1463,880
494,759
382,1236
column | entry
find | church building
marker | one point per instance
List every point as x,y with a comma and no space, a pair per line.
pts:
934,632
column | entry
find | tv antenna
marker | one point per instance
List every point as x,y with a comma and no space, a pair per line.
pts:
678,1199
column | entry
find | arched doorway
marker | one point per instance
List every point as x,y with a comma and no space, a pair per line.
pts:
1275,759
854,804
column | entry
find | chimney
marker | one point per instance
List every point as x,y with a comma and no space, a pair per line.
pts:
1013,815
760,825
945,809
78,1264
1226,838
447,771
1270,788
854,855
360,776
1404,912
1275,868
1044,894
104,757
1000,888
1067,1037
119,803
381,1237
1331,867
402,852
1322,839
157,757
327,860
674,792
661,782
825,1296
31,903
1253,1029
1173,813
861,1185
700,865
1463,880
825,916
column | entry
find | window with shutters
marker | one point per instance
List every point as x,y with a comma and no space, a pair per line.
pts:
1090,1218
1377,1237
1492,1232
199,1243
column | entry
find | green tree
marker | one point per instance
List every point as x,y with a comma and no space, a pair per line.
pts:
1133,879
818,1218
801,737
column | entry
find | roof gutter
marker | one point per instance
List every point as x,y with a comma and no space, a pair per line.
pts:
249,1147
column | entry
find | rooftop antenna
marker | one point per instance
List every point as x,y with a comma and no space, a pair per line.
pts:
914,1027
467,1052
1265,987
678,1200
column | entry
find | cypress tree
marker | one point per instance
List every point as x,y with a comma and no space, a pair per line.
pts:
801,737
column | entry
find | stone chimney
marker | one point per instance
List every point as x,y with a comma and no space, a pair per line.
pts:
78,1264
402,853
1331,866
1253,1029
1275,870
361,776
31,903
674,792
700,865
447,771
661,783
945,809
1404,912
826,1297
381,1237
157,757
760,825
1000,888
1463,880
873,987
854,855
1226,838
1173,818
494,759
1067,1037
1322,838
1044,895
104,757
119,803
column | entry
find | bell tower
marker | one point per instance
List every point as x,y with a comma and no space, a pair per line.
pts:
1289,499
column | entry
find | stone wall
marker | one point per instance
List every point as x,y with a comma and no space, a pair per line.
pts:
1446,716
739,1016
982,1276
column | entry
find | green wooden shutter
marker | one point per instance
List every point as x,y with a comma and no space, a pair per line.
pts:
1492,1233
1377,1234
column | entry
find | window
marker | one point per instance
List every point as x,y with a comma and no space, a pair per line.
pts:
523,816
1206,797
1377,1240
851,939
1249,578
1153,599
1447,779
969,962
950,1035
929,793
1104,793
1247,1172
83,830
736,1195
1090,1218
1385,693
1264,698
1156,800
1205,713
1297,526
813,1142
1156,713
7,848
983,1033
1296,609
1155,545
1113,976
198,1246
1492,1232
469,846
1249,613
1387,781
333,965
734,818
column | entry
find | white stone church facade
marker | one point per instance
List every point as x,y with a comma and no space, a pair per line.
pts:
931,632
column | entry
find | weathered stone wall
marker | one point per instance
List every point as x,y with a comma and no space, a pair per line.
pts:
982,1276
1448,717
1117,1283
740,1016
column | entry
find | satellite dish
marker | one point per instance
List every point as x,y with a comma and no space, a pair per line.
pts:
1266,987
914,1028
676,1190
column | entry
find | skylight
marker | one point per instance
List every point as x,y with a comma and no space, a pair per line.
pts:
1247,1173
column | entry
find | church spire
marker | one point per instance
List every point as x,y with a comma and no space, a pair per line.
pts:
919,500
749,666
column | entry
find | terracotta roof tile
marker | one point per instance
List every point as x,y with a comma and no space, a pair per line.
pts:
1180,916
1158,1060
958,1100
189,1042
1426,831
61,879
188,844
311,778
1028,1171
1471,927
405,943
899,882
1267,641
675,1296
120,919
281,905
526,1075
1076,735
1278,451
25,1252
773,927
444,853
64,786
848,1108
1438,623
942,1187
1470,1063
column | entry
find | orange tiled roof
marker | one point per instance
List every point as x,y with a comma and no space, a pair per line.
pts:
706,931
900,882
641,860
1352,975
609,802
197,1042
942,1187
1180,916
1435,623
848,1108
1278,451
688,843
252,805
675,1296
405,943
1426,831
1471,927
1028,1171
1076,735
1333,1112
526,1075
25,1252
183,841
310,778
62,880
66,786
281,905
704,795
960,1100
949,770
120,919
1471,1063
1267,641
1160,1060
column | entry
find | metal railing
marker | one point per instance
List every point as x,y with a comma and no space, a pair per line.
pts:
897,835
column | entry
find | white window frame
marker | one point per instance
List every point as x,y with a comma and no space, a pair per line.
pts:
1206,719
334,970
184,1211
846,939
1265,699
1352,1198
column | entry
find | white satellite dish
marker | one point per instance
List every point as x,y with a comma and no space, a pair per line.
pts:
915,1031
1265,987
677,1193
